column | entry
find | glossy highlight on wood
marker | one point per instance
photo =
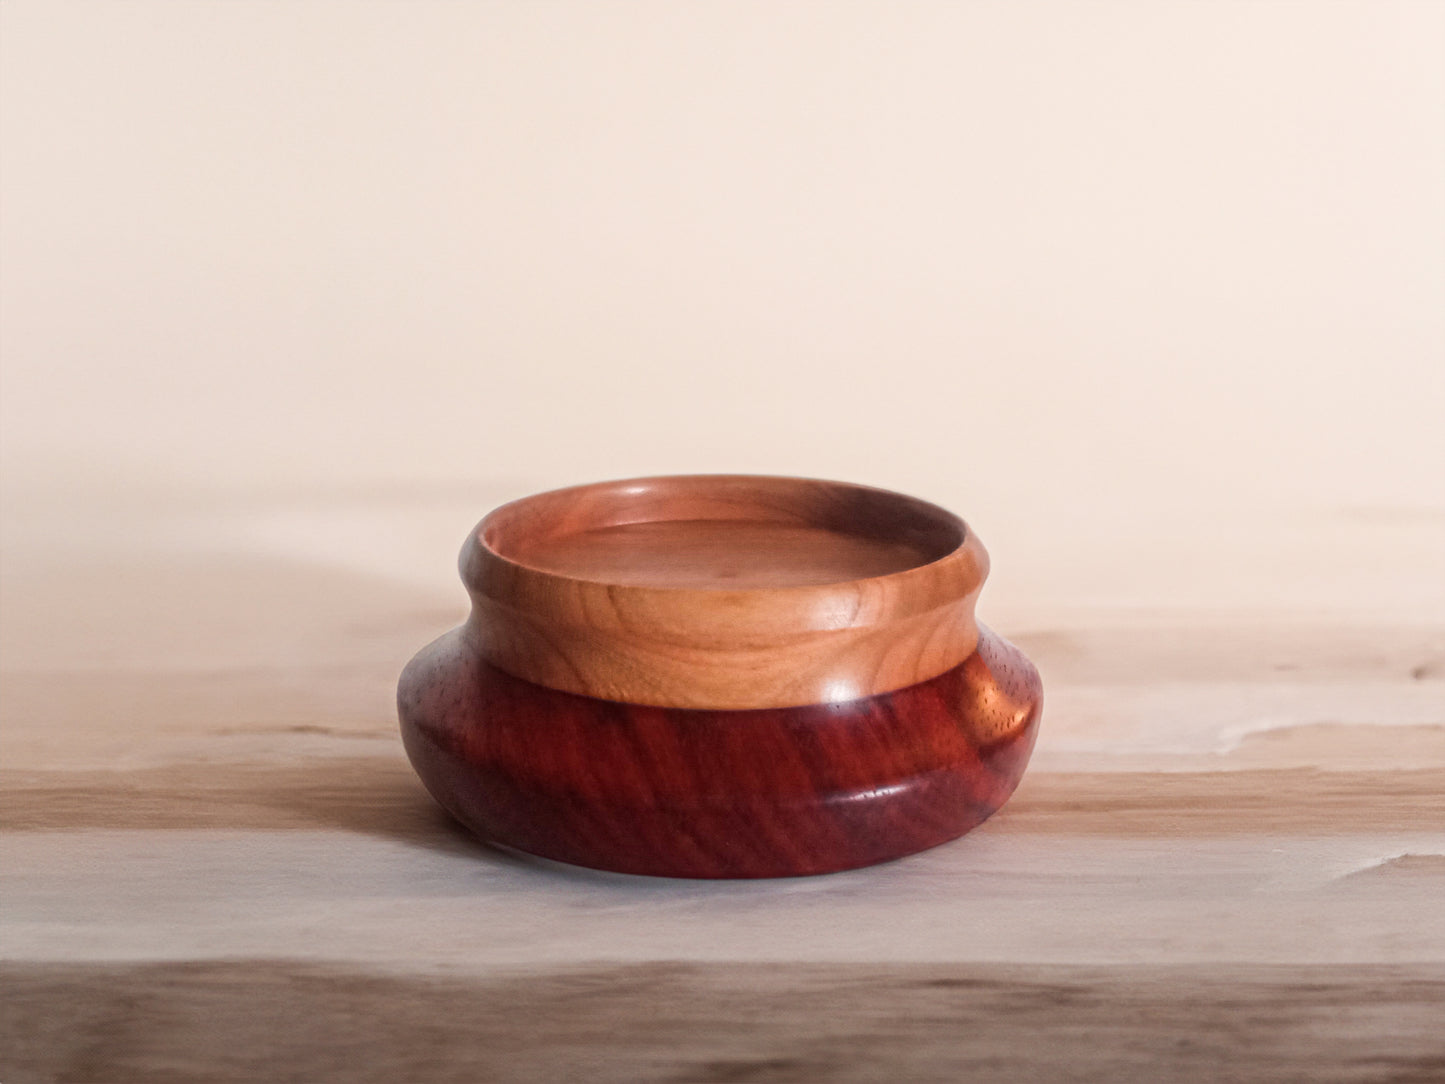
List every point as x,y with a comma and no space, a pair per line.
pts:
695,793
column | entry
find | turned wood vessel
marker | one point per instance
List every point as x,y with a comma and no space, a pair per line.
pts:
721,676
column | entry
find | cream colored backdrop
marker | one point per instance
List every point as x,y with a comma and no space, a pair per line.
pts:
1141,272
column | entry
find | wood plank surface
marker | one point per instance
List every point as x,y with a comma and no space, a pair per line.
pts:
236,1021
1226,862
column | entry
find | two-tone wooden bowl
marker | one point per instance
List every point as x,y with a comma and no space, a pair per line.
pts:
721,676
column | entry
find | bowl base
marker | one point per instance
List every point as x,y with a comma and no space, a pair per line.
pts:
677,792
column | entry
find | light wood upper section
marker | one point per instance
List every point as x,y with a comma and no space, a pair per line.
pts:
723,591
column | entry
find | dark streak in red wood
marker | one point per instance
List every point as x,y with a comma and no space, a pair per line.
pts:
688,793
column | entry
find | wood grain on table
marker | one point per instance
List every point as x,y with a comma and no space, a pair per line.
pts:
1226,862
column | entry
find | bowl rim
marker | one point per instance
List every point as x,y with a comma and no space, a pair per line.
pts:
495,520
631,634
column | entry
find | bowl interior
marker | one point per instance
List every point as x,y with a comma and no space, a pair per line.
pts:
722,532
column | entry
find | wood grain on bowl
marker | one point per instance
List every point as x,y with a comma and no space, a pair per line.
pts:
723,591
721,676
688,793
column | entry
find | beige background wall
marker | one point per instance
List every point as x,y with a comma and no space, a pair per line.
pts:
1120,269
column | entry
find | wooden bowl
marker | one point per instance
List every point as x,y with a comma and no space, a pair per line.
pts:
721,676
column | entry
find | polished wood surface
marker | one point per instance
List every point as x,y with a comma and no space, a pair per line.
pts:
723,591
686,793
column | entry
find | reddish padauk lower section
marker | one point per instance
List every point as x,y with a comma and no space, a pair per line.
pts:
686,793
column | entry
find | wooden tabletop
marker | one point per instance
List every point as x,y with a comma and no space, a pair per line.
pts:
1226,862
